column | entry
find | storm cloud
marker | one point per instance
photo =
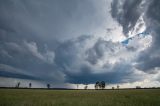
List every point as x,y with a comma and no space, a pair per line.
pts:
147,60
63,42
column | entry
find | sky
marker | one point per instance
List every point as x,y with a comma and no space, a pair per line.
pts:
70,42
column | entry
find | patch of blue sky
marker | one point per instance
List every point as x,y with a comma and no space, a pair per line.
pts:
142,34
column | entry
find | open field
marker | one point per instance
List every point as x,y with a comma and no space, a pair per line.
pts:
35,97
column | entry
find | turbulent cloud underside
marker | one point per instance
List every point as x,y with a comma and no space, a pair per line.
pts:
54,53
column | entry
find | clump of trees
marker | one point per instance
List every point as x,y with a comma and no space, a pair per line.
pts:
100,85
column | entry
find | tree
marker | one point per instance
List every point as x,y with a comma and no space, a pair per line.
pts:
103,84
100,85
30,85
85,87
18,85
118,86
97,85
48,86
77,86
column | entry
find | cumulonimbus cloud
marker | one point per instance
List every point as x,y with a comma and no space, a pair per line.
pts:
86,59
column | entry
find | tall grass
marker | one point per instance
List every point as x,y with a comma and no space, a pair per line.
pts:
30,97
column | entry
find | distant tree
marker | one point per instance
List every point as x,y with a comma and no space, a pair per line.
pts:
18,85
30,85
102,84
85,87
97,85
118,86
138,87
77,86
48,86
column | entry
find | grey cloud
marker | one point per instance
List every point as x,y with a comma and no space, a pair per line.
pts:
97,51
48,56
148,64
75,61
119,73
49,20
8,71
31,31
126,12
149,59
44,40
16,75
70,52
30,60
79,65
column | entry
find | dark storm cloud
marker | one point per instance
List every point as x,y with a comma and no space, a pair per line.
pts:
27,57
8,71
149,59
97,51
43,40
69,62
79,63
48,20
119,73
148,64
31,32
127,13
14,75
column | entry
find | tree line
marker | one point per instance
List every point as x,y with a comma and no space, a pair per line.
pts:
98,85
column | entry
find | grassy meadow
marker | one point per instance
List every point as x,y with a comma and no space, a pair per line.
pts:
39,97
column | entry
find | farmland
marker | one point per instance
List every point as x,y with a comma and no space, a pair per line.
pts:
44,97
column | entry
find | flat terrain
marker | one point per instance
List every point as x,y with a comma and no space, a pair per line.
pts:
35,97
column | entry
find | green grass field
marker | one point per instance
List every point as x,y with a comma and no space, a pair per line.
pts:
35,97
